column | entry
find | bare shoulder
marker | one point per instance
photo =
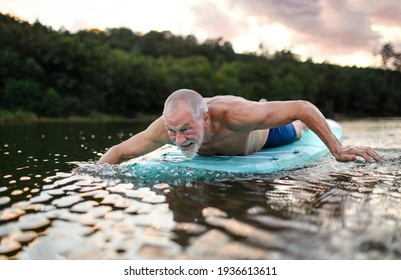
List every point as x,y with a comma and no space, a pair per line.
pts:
234,111
226,104
157,132
225,100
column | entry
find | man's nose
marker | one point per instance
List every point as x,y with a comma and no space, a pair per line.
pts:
180,138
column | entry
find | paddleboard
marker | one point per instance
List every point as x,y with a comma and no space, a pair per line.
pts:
168,161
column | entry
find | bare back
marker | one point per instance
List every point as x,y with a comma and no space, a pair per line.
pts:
227,135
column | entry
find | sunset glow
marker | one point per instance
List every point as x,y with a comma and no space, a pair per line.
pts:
345,33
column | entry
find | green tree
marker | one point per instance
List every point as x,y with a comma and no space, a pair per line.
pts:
118,71
52,104
225,79
22,95
390,58
193,72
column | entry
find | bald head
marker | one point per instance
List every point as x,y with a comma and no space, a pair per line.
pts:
188,98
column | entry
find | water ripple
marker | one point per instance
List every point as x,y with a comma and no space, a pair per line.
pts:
323,210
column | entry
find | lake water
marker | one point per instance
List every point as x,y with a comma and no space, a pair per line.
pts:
53,205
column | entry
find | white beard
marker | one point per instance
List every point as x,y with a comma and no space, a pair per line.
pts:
196,146
191,153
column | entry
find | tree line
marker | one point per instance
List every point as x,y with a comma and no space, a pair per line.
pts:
120,72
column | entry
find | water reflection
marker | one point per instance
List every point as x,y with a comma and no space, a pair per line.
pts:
325,210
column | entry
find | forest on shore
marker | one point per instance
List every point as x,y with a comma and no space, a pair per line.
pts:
118,72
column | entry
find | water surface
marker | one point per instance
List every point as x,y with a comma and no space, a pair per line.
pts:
52,207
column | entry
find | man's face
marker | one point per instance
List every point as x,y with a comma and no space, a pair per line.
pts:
185,131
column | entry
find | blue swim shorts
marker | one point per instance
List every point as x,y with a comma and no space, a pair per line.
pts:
282,135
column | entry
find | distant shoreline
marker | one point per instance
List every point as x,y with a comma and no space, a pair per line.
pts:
23,117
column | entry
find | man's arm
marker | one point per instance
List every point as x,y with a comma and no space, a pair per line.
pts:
271,114
154,137
313,118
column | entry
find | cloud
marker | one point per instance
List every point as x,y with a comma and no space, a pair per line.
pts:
296,14
324,28
388,13
341,31
214,21
335,26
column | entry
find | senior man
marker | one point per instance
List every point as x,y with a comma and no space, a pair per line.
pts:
231,125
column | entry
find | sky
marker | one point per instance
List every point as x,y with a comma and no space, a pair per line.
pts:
344,32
